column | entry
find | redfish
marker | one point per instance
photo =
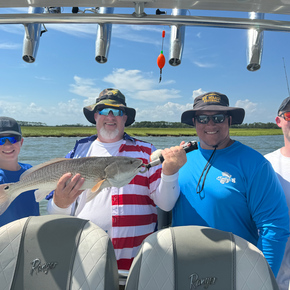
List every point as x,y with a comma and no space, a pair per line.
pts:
99,173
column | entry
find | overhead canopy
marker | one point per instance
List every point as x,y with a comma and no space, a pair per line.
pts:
262,6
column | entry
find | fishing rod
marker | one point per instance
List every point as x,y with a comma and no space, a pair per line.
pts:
157,157
286,76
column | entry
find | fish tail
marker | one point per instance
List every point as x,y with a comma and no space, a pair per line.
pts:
5,198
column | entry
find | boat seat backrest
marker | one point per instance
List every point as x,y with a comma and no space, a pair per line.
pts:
57,253
193,257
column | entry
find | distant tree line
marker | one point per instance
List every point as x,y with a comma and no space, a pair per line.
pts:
160,124
259,125
163,124
75,125
25,123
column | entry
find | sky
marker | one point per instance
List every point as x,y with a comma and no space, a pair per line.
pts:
65,76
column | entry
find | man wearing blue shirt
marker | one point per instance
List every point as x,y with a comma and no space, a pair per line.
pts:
224,184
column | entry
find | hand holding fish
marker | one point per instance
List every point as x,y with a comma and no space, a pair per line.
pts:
68,190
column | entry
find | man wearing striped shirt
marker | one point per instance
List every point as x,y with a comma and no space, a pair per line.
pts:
127,214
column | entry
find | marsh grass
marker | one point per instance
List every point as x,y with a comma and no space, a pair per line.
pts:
35,131
48,131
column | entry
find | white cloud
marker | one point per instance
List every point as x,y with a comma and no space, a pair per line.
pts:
131,80
147,28
125,32
43,78
253,113
10,46
12,28
32,108
85,88
137,86
78,30
169,111
134,34
70,108
133,83
140,86
204,64
145,94
17,109
249,106
197,93
158,96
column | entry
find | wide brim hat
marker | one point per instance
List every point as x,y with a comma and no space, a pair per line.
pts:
110,98
9,126
213,101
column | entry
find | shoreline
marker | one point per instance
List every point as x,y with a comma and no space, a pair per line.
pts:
34,131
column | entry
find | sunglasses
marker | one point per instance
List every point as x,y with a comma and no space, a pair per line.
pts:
12,140
115,112
286,116
204,119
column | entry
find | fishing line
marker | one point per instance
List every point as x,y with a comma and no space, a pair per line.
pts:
286,76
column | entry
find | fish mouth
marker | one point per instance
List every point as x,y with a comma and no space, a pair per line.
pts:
143,168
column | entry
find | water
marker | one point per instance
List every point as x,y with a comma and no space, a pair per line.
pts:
36,150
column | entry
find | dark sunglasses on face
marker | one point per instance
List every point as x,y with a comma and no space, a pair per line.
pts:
204,119
115,112
285,116
11,139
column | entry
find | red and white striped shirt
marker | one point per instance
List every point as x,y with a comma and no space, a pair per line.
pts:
131,208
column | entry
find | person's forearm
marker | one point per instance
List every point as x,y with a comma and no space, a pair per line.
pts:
167,192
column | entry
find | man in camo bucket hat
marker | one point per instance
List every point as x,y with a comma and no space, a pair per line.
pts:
110,98
128,214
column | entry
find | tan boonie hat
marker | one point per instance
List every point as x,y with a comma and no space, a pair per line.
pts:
213,102
110,98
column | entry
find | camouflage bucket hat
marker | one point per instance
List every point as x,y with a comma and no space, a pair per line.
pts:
213,102
110,98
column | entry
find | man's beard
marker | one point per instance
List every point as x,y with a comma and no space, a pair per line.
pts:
109,135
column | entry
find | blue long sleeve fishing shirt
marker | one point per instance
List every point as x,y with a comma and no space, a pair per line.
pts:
241,195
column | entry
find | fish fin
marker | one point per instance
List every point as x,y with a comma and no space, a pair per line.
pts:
40,194
96,189
36,167
5,198
98,186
